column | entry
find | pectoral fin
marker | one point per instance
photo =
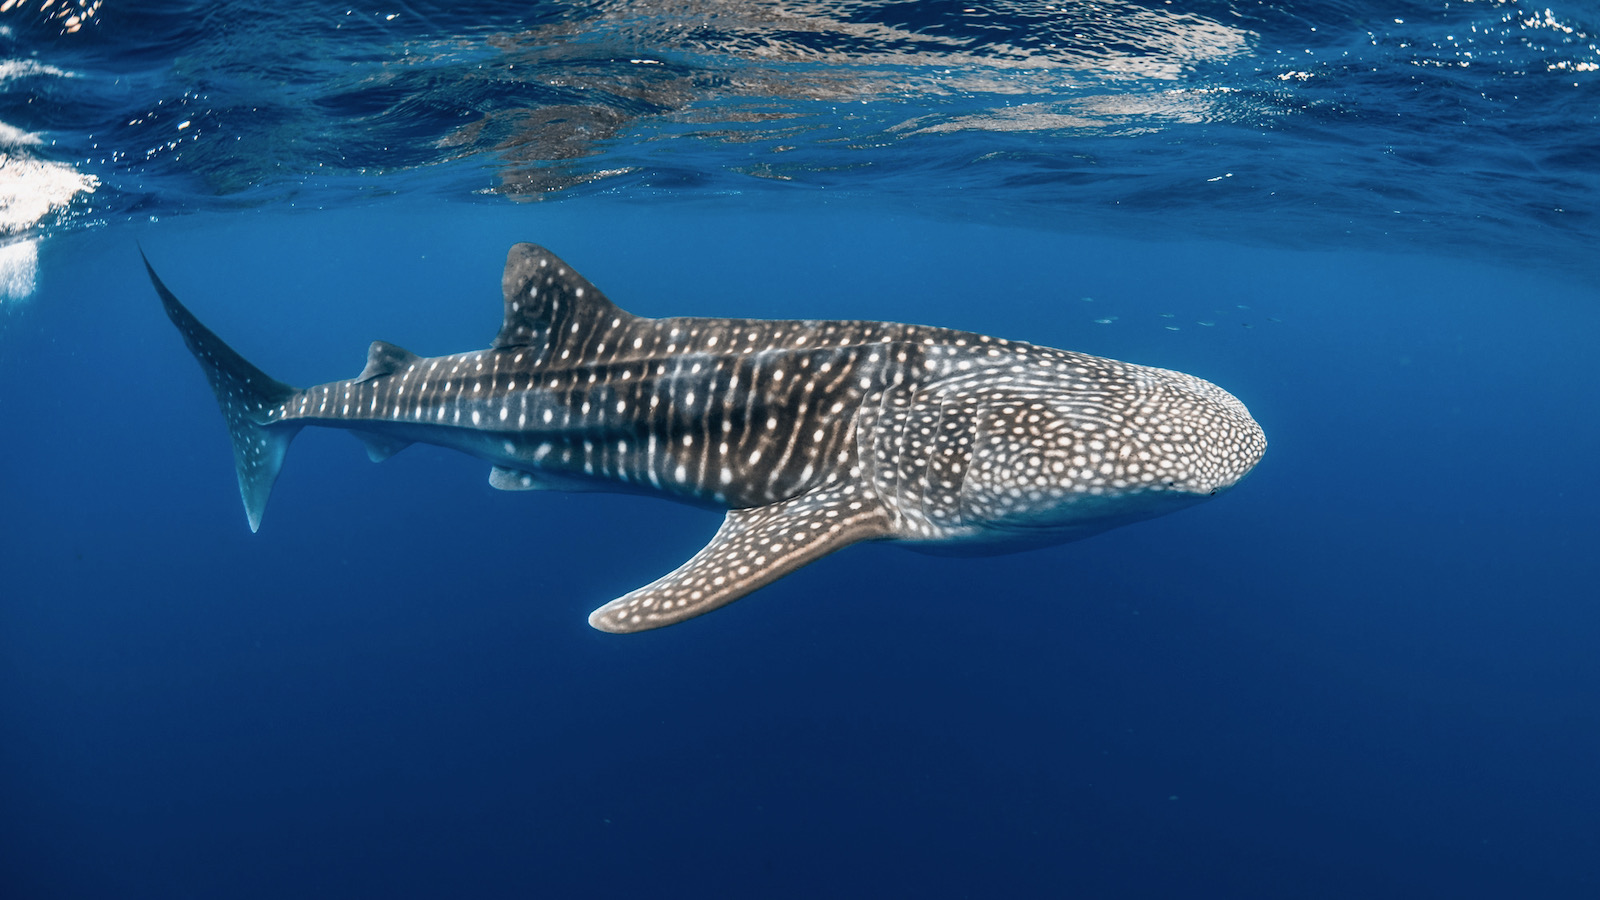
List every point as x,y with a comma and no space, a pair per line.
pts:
753,548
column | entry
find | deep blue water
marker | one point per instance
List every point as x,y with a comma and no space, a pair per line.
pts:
1369,670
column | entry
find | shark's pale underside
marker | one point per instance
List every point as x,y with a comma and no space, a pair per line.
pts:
812,434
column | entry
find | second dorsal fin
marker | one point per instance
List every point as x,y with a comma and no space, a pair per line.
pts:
384,358
549,305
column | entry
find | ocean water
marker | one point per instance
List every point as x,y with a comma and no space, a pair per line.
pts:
1367,671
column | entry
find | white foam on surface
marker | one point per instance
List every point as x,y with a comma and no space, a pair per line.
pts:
31,189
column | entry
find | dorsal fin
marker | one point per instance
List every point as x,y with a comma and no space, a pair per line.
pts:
545,298
384,358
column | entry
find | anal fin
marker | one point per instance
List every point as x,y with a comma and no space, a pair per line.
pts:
753,548
380,446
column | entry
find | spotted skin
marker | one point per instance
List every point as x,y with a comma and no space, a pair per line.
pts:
753,548
812,434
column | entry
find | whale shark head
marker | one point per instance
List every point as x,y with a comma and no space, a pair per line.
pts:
1112,444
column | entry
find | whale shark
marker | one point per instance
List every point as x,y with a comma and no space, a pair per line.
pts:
812,434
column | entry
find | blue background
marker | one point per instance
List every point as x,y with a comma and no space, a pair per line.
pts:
1368,671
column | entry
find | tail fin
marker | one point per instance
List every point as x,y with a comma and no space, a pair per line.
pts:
246,395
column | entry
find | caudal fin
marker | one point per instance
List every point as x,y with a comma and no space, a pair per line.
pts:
247,396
